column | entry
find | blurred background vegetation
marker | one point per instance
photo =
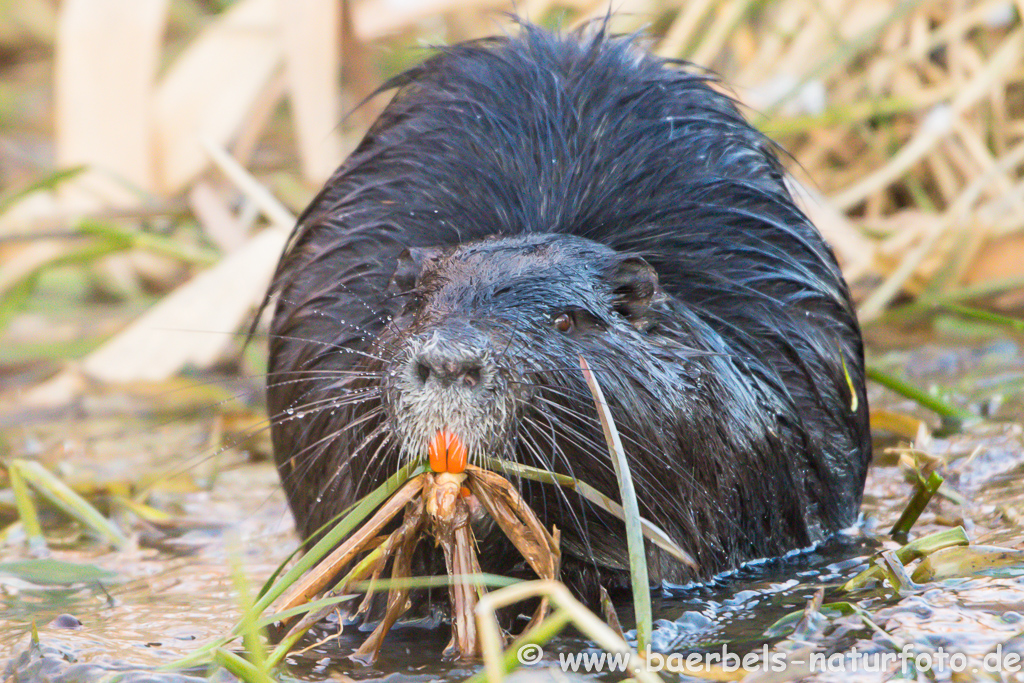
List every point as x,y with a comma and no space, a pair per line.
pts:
153,154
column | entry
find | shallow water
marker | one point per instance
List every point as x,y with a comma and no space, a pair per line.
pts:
173,591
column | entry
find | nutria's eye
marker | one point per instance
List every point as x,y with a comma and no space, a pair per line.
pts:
564,323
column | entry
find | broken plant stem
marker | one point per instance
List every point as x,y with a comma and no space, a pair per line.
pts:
923,492
321,575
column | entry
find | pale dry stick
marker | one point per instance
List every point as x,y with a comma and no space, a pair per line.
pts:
30,259
786,19
208,91
157,344
104,74
680,32
875,205
312,60
715,38
911,32
802,57
261,113
976,147
960,159
586,621
318,577
1000,117
967,252
946,180
936,125
1006,213
218,222
952,29
957,71
878,299
274,210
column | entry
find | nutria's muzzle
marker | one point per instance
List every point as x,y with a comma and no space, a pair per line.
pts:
447,380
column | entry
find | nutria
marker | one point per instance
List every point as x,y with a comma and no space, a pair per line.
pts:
523,201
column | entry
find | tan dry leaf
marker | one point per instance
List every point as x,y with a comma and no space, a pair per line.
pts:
1000,258
194,324
106,60
372,19
311,32
210,89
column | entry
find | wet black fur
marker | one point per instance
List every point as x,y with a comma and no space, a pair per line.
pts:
733,396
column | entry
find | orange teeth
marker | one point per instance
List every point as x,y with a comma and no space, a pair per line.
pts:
447,453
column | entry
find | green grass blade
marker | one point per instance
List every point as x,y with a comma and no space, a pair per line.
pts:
27,511
248,625
157,244
916,549
70,502
47,182
51,572
360,512
631,514
541,634
923,492
245,671
920,396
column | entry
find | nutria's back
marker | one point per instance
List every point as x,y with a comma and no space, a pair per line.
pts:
527,200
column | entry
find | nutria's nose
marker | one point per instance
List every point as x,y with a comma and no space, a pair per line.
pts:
436,366
453,354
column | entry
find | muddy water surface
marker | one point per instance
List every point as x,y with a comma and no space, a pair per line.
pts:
172,590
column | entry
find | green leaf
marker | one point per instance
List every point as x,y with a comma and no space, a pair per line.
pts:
631,514
61,495
47,182
55,572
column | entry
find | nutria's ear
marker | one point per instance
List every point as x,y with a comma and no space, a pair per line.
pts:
634,287
410,264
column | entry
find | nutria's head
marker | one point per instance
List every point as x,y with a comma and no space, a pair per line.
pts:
483,325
